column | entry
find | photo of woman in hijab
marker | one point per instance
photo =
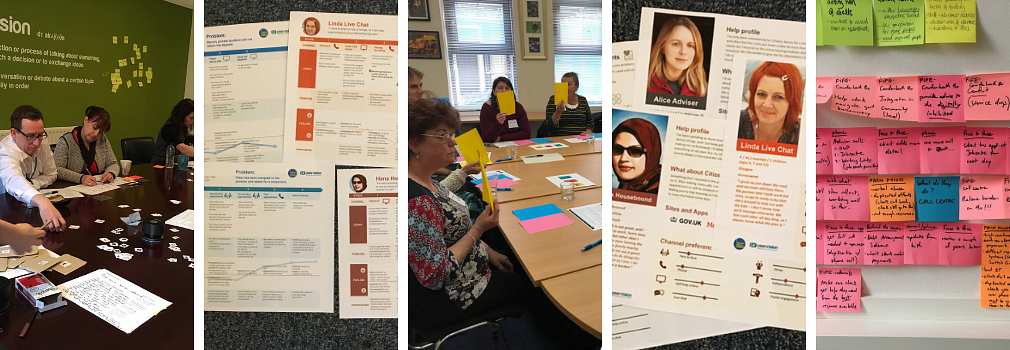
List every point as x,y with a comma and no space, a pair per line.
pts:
637,152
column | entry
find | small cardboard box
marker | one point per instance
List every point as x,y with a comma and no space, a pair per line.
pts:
42,293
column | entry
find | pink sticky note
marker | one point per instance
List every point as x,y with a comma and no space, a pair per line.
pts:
854,150
844,243
855,95
922,243
1006,197
820,243
839,290
961,244
582,137
987,97
897,99
981,198
940,150
544,223
460,159
500,183
823,149
523,142
985,150
941,98
820,196
884,244
847,198
825,86
898,150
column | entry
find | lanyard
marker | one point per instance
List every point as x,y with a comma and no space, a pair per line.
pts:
30,176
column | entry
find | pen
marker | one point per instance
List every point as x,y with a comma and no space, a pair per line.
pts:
588,247
47,223
539,155
503,159
29,324
504,189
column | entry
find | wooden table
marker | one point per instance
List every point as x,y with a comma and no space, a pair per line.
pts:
558,251
71,326
578,295
573,149
533,177
530,116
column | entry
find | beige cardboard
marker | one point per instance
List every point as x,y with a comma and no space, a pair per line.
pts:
68,263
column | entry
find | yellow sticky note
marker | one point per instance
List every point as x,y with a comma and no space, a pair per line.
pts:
141,65
486,188
145,48
138,54
560,93
472,147
148,80
126,40
114,41
113,90
129,83
140,84
507,102
950,21
134,74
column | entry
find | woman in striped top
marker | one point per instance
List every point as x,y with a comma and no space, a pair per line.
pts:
566,118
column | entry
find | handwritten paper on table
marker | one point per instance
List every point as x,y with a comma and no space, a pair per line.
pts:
960,244
940,151
987,97
941,98
898,150
884,244
854,150
113,299
950,21
984,151
899,23
839,290
844,243
981,197
936,198
848,22
898,98
892,198
847,198
184,219
855,95
995,279
922,243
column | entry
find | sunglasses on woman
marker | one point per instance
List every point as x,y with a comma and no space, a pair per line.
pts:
633,151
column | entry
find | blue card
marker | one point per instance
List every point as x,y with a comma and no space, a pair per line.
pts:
936,198
541,140
597,136
537,211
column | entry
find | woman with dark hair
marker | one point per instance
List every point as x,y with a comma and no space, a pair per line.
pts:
497,126
638,150
358,183
566,118
676,61
177,132
775,103
84,155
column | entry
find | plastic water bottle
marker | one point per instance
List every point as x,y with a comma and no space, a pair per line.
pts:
170,157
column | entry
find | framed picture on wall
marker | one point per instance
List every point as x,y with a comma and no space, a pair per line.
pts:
534,41
532,8
533,27
424,44
417,10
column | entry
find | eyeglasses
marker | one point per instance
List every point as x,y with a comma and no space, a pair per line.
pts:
32,138
444,137
356,182
633,151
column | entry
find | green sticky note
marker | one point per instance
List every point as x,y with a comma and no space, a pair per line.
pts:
848,22
820,35
950,21
900,23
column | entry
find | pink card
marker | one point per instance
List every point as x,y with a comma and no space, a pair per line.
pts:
960,244
981,197
824,88
839,290
844,242
819,195
500,183
581,137
940,150
987,97
854,150
922,243
898,99
984,150
898,150
820,244
884,244
823,149
523,142
941,98
544,223
854,95
847,198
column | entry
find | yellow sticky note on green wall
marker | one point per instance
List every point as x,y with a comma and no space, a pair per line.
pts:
506,102
899,23
848,22
560,93
950,21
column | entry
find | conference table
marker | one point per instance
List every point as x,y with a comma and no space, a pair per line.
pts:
573,149
71,326
553,259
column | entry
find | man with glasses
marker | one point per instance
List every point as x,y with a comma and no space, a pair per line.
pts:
26,164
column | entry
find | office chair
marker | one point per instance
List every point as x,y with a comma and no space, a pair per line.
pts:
138,149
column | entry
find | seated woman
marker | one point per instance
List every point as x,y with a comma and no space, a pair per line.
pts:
497,126
774,105
177,132
676,60
637,152
565,119
84,154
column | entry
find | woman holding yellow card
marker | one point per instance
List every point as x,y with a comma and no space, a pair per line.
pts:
502,118
567,118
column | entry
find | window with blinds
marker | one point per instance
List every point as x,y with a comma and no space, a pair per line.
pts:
479,48
578,45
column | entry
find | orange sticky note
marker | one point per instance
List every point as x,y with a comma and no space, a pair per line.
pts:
560,93
892,198
995,281
506,102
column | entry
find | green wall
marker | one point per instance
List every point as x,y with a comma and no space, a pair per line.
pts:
86,28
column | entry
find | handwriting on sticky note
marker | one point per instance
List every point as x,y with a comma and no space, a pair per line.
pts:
844,243
898,99
855,95
892,198
950,21
941,98
847,198
960,244
898,150
839,290
988,97
984,151
884,244
995,279
981,197
922,243
825,86
820,244
848,22
823,151
899,23
854,150
936,198
940,151
820,193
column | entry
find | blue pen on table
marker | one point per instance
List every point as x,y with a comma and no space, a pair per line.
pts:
588,247
503,159
503,188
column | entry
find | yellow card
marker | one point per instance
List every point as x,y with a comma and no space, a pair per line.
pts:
507,102
486,188
472,147
114,39
126,40
560,93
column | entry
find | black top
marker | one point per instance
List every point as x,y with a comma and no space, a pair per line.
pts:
166,137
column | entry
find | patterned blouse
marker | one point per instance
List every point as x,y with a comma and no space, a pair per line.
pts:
435,222
572,121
